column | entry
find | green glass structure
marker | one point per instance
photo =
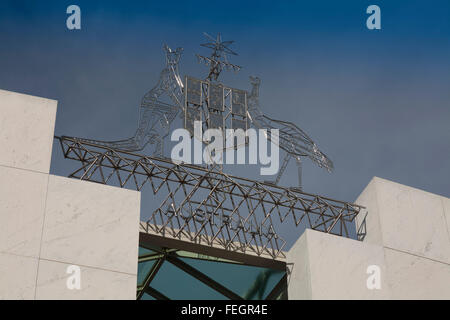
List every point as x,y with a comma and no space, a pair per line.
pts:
167,273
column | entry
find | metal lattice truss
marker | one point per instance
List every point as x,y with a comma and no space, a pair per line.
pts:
209,207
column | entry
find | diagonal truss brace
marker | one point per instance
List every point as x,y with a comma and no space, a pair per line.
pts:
210,207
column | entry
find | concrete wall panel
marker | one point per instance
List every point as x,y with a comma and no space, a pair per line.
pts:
414,277
95,283
337,268
26,131
22,204
91,224
370,218
446,206
49,222
413,221
299,275
410,219
17,277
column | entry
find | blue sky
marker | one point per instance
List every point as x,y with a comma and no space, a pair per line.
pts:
375,101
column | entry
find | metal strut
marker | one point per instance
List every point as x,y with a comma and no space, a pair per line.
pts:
298,160
283,167
286,159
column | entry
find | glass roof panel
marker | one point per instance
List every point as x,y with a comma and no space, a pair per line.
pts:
143,269
247,281
146,296
178,285
144,251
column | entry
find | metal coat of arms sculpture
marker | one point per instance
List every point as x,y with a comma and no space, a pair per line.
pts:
204,204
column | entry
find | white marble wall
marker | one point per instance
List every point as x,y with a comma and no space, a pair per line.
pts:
407,219
299,271
22,206
26,131
95,283
413,228
91,224
324,266
63,222
17,277
414,277
48,223
407,236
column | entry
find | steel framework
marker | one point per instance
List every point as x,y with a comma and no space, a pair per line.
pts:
207,206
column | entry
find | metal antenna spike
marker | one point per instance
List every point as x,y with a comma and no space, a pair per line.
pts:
208,36
229,51
218,60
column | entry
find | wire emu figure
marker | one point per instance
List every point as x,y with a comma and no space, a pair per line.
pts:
293,140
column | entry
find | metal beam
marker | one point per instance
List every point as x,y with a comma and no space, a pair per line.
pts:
203,278
277,290
155,293
247,259
151,274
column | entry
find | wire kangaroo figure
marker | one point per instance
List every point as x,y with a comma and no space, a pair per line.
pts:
155,116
